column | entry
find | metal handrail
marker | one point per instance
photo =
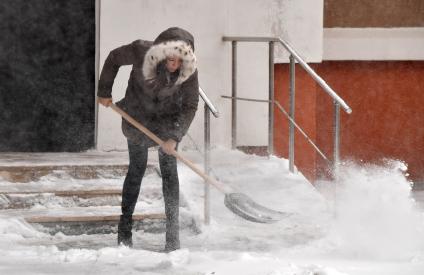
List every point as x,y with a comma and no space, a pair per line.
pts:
208,109
316,77
301,62
301,131
294,56
288,117
208,102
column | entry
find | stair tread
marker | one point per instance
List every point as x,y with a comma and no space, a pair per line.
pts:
36,173
93,218
150,180
90,158
86,211
115,191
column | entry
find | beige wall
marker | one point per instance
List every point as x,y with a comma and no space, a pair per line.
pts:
299,22
373,30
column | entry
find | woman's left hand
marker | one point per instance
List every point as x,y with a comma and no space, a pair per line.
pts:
169,146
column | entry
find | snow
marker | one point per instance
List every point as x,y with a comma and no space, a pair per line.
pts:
368,224
376,218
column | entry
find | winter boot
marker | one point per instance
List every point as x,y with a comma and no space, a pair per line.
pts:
169,247
124,231
172,240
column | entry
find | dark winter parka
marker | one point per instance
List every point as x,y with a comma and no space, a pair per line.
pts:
163,102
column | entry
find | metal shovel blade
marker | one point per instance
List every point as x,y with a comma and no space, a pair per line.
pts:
243,206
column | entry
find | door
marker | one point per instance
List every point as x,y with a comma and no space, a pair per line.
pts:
47,74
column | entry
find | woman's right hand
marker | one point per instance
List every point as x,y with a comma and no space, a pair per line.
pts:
105,101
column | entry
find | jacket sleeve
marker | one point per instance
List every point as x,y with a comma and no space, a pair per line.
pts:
190,100
124,55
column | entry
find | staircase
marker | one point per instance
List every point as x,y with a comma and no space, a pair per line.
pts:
80,194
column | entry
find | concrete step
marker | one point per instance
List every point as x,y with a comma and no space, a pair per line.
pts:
31,167
98,224
86,211
90,218
25,174
98,220
142,241
24,199
67,193
74,225
73,215
35,173
31,200
64,158
80,193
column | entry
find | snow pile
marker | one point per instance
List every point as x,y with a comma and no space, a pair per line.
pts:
14,230
375,216
373,228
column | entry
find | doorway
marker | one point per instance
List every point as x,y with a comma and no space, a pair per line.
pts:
47,75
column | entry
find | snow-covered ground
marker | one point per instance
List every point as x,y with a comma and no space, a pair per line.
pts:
367,225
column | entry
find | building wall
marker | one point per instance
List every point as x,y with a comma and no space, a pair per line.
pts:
386,123
373,44
373,30
373,58
373,13
374,47
299,22
380,42
306,159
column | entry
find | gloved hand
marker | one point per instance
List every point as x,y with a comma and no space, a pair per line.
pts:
105,101
169,146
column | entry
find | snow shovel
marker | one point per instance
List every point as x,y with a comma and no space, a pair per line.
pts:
238,203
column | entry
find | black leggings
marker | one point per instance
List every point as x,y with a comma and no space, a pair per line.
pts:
170,186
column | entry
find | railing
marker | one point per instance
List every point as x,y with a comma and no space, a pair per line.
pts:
208,109
294,56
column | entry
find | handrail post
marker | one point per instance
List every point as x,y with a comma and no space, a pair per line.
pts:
271,100
292,111
234,95
336,134
207,144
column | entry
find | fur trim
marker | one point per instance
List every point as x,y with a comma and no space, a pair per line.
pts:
161,51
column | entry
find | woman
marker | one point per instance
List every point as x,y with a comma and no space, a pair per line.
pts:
162,94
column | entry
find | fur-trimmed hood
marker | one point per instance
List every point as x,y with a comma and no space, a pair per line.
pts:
171,42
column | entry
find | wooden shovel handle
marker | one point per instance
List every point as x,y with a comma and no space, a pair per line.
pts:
220,186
